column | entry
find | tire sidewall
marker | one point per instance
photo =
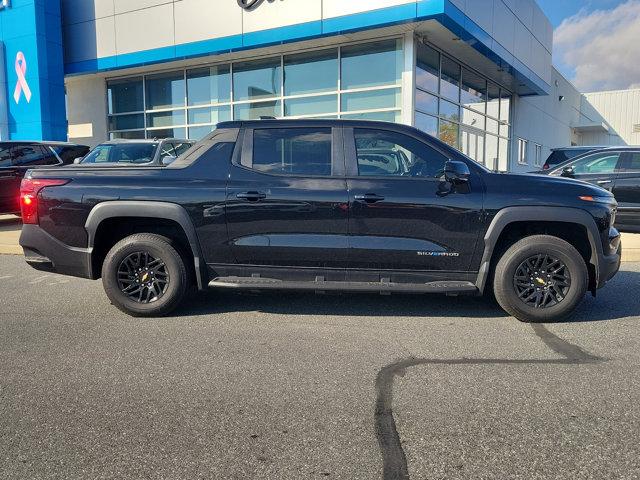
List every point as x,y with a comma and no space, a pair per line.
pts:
506,292
159,248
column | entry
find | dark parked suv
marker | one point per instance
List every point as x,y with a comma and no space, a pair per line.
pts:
323,205
18,157
616,169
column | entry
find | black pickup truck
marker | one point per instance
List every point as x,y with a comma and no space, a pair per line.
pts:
322,205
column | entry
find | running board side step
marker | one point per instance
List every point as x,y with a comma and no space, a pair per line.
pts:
258,283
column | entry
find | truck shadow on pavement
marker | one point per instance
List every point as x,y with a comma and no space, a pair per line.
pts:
613,302
394,460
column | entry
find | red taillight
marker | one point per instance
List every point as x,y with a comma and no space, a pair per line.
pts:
29,190
545,167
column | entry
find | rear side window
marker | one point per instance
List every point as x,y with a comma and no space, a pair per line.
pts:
633,163
69,153
33,155
292,151
602,163
5,157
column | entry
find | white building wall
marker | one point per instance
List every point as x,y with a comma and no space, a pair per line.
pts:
551,122
621,108
87,109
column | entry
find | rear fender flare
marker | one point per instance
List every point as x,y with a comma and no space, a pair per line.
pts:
538,214
161,210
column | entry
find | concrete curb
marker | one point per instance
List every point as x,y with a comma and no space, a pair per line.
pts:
10,250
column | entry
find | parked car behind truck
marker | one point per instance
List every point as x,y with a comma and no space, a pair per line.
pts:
18,157
296,205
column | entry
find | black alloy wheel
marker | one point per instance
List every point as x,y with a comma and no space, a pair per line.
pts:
142,277
542,281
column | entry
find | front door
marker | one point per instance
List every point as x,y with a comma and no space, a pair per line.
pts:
287,200
627,193
404,216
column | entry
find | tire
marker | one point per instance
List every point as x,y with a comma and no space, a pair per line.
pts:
555,295
166,273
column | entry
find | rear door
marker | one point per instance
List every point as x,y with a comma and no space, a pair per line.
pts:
627,193
287,201
404,216
8,175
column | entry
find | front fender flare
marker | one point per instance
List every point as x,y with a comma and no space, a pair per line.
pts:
161,210
538,214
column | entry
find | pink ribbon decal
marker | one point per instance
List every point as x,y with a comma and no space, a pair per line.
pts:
21,86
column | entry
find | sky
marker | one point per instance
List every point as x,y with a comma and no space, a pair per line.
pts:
596,42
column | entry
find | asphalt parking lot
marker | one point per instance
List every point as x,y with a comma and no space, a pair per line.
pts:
291,386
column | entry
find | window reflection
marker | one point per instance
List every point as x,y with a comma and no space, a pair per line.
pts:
313,72
165,90
125,95
256,80
209,85
371,64
428,68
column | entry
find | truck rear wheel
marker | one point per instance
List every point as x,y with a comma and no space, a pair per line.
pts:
145,276
540,279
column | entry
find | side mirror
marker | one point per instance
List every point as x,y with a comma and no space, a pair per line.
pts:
456,172
568,172
77,161
168,160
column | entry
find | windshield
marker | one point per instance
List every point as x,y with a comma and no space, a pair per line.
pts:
135,153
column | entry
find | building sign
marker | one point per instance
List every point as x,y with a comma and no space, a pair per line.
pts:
250,4
5,4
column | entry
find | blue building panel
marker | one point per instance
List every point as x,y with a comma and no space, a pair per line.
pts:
31,32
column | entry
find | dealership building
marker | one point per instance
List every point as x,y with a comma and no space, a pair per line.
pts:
476,73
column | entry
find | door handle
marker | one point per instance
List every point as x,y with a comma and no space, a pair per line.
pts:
369,198
251,196
604,182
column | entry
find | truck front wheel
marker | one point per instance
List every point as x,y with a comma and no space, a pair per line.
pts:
540,279
145,276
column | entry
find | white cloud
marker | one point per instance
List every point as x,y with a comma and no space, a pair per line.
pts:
602,47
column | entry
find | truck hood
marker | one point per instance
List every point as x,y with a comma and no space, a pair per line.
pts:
542,189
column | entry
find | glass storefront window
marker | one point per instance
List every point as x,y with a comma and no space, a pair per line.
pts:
167,133
125,95
449,133
257,79
371,100
135,135
211,115
313,72
198,133
166,119
426,103
165,90
372,64
126,122
390,116
253,111
450,80
449,111
427,124
209,85
428,69
474,113
311,105
192,101
473,93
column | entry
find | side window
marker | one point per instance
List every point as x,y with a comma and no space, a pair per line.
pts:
292,151
602,163
5,157
33,155
69,154
631,165
181,147
384,153
167,150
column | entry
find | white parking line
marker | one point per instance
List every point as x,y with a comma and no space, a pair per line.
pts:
4,277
